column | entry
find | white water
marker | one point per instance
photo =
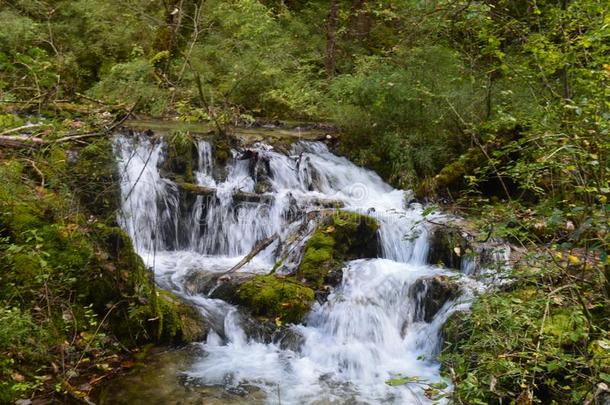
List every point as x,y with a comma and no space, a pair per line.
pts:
366,333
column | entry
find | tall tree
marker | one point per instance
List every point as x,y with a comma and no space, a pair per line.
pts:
331,38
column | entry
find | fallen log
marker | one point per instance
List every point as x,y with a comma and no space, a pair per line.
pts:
13,130
259,247
243,196
20,141
238,196
248,197
326,203
105,131
197,189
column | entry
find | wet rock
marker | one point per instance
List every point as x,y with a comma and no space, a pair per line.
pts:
269,297
182,323
288,338
259,169
456,245
257,329
493,254
430,294
447,247
216,285
265,331
283,299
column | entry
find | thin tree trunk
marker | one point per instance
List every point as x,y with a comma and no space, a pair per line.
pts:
565,79
331,38
359,21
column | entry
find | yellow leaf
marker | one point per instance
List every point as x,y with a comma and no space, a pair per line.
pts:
574,260
330,229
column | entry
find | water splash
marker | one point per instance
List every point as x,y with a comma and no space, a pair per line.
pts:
367,332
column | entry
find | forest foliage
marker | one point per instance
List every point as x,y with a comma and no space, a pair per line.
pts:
500,107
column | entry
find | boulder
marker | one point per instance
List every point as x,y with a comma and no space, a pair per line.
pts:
216,285
339,237
267,297
282,299
178,321
447,247
430,294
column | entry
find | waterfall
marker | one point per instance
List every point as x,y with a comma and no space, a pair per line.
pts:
368,331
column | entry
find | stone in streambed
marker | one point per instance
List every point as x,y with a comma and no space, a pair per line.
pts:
340,237
447,247
431,294
267,297
283,299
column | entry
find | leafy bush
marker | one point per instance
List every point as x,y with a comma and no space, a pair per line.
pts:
133,81
536,342
250,58
402,112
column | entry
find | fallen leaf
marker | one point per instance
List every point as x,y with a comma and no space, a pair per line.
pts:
18,377
574,260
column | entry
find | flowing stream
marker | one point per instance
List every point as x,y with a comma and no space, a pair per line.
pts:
371,329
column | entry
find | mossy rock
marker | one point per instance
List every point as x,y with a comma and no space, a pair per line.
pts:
448,247
340,237
179,322
94,178
118,277
273,297
181,157
222,151
437,291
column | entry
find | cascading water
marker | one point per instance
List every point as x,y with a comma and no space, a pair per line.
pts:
369,330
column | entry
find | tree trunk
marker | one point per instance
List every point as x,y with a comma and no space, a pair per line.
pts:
565,79
331,38
359,21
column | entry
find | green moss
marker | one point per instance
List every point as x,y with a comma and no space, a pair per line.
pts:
273,297
50,247
94,178
222,150
318,259
340,237
566,327
532,338
181,153
147,314
178,322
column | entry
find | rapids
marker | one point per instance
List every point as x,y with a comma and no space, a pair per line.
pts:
368,331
